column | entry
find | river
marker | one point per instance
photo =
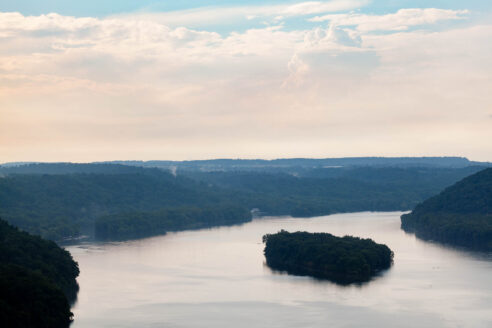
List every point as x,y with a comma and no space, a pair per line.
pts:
217,278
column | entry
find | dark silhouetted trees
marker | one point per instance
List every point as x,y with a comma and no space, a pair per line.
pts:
342,260
37,281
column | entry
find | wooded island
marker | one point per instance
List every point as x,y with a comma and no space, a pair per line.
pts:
343,260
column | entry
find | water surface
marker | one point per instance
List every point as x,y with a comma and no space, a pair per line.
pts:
217,278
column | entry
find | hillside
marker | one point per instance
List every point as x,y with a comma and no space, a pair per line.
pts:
61,201
460,215
58,206
37,281
333,190
132,225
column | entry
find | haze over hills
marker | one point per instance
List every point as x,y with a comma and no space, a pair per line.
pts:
275,164
261,164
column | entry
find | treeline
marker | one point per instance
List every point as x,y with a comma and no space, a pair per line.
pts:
63,206
333,190
305,163
460,215
37,281
70,168
63,200
343,260
143,224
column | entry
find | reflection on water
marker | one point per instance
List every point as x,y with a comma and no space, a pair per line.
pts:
217,278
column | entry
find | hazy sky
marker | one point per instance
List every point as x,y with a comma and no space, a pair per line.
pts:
118,79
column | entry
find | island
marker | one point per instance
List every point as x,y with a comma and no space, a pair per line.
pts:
343,260
461,215
37,281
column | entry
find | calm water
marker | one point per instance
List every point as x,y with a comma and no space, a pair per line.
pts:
217,278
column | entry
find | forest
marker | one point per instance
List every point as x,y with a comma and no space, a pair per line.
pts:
343,260
62,201
133,225
37,281
460,215
322,191
60,206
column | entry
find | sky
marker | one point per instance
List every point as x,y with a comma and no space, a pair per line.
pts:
102,80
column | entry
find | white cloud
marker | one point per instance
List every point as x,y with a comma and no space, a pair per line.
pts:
316,7
119,88
399,21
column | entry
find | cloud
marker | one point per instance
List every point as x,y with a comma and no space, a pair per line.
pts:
402,20
316,7
87,88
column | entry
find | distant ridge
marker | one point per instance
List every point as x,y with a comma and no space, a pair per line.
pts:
283,163
63,201
314,162
224,164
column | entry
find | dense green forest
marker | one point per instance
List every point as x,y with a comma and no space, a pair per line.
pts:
63,200
331,190
343,260
460,215
142,224
66,205
37,281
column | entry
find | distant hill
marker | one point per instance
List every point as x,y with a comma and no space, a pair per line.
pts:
61,201
286,165
327,191
37,280
460,215
300,164
58,206
68,168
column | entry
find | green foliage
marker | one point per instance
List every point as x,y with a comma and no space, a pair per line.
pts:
142,224
63,200
62,206
333,190
37,280
343,260
460,215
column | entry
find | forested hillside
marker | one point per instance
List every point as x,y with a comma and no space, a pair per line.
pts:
37,281
64,200
460,215
130,225
334,190
64,205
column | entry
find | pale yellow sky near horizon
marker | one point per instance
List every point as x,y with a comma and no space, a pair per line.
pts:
130,87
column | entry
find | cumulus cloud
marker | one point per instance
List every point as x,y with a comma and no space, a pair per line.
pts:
87,88
402,20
